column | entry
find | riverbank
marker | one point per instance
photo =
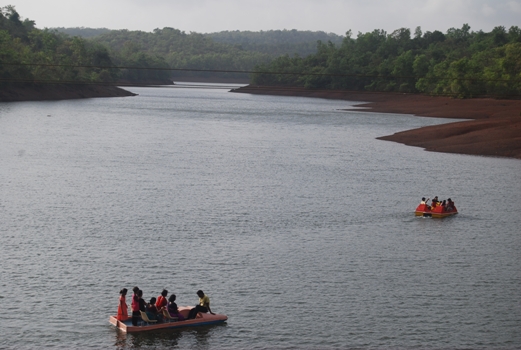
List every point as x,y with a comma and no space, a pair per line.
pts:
59,92
212,80
494,128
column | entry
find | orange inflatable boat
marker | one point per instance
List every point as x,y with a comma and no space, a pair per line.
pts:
438,211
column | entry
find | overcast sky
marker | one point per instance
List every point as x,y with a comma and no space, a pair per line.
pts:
336,16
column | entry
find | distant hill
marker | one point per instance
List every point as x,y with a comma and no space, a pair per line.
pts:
82,31
277,42
227,50
189,55
271,42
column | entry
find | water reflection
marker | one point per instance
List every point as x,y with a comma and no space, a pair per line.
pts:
287,201
198,337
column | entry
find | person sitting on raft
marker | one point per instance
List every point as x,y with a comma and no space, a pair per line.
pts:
152,312
434,202
450,205
444,205
173,310
423,201
161,300
204,305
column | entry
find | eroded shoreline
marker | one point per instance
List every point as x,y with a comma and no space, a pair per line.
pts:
494,128
48,92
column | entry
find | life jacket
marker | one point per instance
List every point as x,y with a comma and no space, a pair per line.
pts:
161,301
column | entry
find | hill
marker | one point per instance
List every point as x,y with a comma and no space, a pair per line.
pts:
277,42
188,53
82,31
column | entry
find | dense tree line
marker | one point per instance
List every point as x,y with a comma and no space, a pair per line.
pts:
184,53
276,42
459,63
223,51
82,31
28,54
272,42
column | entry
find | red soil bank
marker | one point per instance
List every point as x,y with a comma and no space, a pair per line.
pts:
495,128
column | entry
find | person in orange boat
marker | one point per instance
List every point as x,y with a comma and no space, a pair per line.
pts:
161,300
122,307
434,202
142,303
444,205
450,205
173,310
134,305
204,305
152,312
424,202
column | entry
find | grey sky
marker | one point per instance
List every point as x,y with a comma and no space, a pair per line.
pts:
335,16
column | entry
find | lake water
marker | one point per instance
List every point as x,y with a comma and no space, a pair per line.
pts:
286,211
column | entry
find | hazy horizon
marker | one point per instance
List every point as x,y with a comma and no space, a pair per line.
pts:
330,16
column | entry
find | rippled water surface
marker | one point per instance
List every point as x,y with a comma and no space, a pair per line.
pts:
287,212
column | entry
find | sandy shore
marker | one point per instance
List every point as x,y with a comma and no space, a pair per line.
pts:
59,92
495,128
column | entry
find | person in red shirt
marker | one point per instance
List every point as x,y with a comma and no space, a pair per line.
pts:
135,306
161,300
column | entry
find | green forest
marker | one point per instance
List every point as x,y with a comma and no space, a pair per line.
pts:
203,55
276,42
460,63
82,31
28,54
32,55
189,55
